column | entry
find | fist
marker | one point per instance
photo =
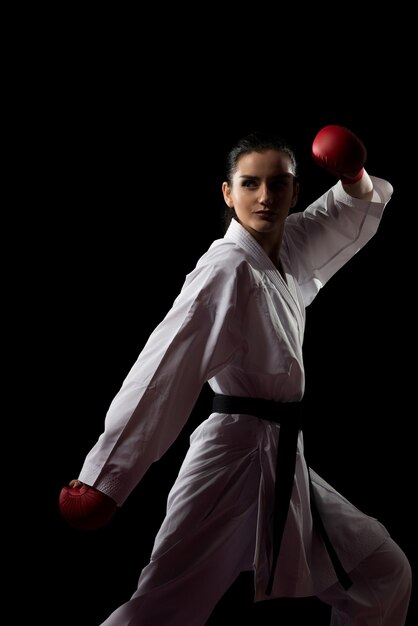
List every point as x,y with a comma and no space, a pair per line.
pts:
85,508
340,152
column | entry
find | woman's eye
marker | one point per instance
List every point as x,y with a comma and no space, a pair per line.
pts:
248,183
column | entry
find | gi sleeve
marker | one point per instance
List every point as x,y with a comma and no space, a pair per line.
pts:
321,239
197,338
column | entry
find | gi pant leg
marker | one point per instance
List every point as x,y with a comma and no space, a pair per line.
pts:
380,592
207,538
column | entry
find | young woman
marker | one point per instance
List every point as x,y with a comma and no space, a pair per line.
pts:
244,498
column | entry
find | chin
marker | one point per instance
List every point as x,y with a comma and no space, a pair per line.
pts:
265,227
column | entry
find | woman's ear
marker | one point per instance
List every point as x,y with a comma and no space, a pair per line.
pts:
226,190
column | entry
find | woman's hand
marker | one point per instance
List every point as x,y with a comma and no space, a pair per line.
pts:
84,507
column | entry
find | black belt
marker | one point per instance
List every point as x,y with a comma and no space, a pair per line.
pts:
289,416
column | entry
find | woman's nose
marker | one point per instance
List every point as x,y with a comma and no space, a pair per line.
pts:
265,196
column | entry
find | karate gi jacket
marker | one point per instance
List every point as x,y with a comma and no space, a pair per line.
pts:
238,325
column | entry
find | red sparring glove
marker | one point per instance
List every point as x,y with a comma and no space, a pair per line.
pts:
339,151
85,508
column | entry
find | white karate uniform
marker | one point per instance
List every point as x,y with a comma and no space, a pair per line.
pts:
238,325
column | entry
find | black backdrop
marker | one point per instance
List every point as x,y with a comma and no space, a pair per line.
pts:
127,189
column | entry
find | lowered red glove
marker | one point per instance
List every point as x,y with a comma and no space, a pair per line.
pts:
341,152
85,508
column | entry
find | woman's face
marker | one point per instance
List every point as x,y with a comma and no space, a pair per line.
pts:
263,191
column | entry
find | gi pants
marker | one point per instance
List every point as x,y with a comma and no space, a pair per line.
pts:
187,577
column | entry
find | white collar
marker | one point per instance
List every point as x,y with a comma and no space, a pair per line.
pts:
239,235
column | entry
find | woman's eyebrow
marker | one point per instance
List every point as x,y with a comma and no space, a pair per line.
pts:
278,176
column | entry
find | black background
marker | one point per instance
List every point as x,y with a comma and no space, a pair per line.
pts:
123,163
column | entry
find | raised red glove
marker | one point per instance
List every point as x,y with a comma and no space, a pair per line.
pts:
85,508
341,152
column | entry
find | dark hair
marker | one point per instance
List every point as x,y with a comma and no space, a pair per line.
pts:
259,141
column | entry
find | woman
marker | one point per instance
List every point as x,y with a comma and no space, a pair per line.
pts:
244,498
